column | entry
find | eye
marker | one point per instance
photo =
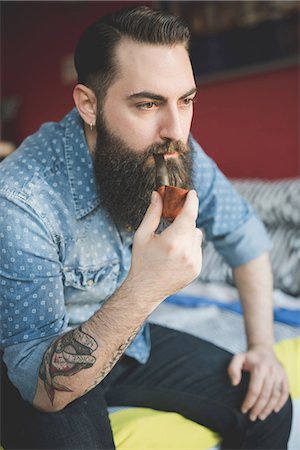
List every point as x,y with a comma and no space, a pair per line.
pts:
147,105
188,101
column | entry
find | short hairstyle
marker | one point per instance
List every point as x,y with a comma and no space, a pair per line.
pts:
94,55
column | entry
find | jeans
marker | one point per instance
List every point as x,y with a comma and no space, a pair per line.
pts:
184,374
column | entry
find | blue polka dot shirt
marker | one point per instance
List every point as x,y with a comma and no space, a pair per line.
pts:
61,256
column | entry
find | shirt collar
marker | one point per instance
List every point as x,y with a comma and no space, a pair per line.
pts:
79,166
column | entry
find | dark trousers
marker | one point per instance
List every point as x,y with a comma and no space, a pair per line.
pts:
184,374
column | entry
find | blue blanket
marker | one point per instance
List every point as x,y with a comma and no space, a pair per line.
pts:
288,316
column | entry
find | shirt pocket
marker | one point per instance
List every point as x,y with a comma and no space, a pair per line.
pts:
90,285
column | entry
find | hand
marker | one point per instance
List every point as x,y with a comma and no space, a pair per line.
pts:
164,263
268,386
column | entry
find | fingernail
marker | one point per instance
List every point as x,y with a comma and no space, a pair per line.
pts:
252,418
262,417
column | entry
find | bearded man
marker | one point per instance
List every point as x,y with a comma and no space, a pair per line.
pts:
86,257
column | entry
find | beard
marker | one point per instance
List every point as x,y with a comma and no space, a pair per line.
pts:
126,177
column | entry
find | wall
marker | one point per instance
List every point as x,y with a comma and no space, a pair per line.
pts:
35,38
249,125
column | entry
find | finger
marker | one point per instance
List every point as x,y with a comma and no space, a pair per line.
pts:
254,390
196,248
264,398
284,395
278,396
198,239
152,217
235,368
189,211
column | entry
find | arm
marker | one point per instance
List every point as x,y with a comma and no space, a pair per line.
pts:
268,388
254,281
161,265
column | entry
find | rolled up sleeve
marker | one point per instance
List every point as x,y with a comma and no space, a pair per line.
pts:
245,243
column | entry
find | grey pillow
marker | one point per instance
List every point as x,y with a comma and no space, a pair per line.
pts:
276,202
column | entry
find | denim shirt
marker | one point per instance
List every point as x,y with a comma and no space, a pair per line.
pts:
61,255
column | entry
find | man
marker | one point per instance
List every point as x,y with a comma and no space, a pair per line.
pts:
83,264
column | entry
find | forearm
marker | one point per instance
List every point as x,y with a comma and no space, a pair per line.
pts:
255,283
77,361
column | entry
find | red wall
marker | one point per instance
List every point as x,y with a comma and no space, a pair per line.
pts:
250,125
35,38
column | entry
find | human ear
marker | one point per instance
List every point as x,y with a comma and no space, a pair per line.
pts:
86,103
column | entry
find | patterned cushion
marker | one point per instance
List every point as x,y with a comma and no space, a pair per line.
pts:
276,202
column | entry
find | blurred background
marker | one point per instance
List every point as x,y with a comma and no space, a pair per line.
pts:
245,56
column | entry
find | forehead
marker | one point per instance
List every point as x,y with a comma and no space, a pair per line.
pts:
162,69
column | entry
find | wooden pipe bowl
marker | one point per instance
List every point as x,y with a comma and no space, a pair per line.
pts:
173,200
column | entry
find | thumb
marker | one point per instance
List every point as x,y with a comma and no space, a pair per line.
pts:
152,217
189,211
235,368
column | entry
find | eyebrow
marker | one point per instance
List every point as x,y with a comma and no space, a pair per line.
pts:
161,98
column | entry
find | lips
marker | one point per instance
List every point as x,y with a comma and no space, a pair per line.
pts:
170,155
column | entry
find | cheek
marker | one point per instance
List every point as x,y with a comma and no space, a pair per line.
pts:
136,133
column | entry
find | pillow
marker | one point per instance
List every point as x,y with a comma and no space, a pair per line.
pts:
276,202
285,258
145,429
288,353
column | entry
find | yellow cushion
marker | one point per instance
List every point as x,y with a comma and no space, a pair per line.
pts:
143,428
288,353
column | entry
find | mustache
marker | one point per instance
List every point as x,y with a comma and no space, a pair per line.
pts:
165,148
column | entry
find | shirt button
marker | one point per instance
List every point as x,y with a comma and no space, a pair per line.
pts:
128,228
90,283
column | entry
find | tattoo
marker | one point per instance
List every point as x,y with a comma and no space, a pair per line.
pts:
67,356
114,360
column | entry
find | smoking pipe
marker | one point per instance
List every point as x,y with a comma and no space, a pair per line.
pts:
173,197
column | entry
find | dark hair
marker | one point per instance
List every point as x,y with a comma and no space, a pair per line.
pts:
94,54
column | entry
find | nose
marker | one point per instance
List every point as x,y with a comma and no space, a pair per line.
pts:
171,126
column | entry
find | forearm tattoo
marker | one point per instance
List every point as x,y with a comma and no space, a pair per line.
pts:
67,356
70,354
114,360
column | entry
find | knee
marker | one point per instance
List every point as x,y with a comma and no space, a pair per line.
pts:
278,425
283,419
